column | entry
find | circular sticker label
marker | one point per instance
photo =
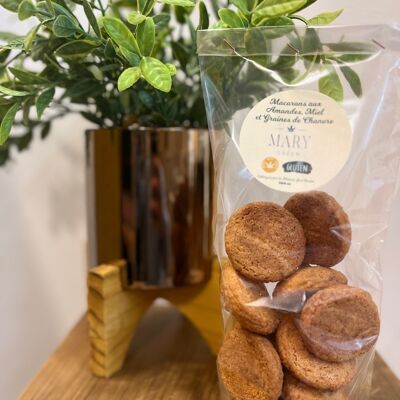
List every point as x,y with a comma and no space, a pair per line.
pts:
295,140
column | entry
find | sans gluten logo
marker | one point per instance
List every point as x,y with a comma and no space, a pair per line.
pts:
301,167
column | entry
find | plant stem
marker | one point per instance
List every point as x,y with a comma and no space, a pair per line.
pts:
103,11
307,72
12,59
300,18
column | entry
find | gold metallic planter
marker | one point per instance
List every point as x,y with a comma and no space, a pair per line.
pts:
149,201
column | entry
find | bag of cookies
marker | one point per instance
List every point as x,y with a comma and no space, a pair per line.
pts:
305,132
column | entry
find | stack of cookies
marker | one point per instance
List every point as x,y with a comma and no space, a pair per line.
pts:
301,341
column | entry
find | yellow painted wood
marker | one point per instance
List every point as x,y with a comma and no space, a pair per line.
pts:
114,312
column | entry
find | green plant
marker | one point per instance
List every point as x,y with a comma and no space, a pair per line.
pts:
281,14
260,61
89,65
122,61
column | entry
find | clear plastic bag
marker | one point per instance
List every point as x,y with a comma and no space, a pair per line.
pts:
305,131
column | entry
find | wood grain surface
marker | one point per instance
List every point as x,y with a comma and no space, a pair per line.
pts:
167,360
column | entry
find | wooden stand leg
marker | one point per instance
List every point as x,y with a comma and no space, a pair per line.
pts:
115,311
113,315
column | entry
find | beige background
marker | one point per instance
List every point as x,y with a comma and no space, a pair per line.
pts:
43,237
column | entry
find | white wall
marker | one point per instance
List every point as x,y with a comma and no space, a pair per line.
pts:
43,237
42,252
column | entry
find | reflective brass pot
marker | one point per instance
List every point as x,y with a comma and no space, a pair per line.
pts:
149,202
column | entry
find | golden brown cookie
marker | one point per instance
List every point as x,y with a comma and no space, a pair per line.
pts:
264,242
238,294
249,366
295,289
305,366
296,390
326,227
340,323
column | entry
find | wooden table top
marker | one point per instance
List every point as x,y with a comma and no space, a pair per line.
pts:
167,361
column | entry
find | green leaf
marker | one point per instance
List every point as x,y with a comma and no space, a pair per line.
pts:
180,53
230,18
27,77
7,122
156,73
353,79
22,142
43,101
141,5
287,59
86,88
45,12
192,29
65,27
30,37
4,155
354,58
120,33
147,99
128,78
50,7
136,18
92,118
14,44
146,34
330,84
308,4
288,75
251,4
182,3
132,58
145,6
324,18
7,36
275,8
242,5
96,72
219,25
276,21
87,8
4,53
171,68
45,130
77,48
181,13
10,5
26,10
109,50
13,93
26,108
162,19
311,42
204,20
257,47
356,47
284,25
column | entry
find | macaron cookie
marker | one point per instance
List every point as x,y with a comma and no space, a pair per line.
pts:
340,323
293,291
249,366
326,227
238,294
306,367
264,242
293,389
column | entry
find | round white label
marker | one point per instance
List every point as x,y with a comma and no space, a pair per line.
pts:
295,140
